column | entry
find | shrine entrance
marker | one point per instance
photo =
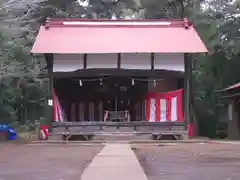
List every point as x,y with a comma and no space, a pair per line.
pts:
123,98
89,75
103,99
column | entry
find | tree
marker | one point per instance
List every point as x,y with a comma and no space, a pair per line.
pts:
19,72
218,24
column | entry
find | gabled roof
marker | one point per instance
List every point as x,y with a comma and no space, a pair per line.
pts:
231,87
117,36
230,92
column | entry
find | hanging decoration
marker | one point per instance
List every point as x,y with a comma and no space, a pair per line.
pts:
80,82
132,79
132,82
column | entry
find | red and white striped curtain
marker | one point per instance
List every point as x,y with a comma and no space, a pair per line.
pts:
163,107
58,112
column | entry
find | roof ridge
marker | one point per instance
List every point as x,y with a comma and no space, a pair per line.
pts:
117,23
103,20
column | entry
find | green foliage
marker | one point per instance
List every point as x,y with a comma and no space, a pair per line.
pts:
218,26
22,95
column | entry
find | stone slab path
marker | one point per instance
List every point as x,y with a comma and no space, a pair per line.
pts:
114,162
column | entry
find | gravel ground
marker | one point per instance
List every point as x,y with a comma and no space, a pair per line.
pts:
45,162
190,162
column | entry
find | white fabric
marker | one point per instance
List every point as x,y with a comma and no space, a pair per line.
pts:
174,109
60,112
43,134
163,110
152,110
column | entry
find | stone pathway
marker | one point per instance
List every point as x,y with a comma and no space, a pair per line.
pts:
114,162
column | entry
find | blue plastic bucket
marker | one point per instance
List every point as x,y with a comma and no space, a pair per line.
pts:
12,135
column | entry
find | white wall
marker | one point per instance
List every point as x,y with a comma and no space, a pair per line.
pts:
174,62
101,61
136,61
67,63
73,62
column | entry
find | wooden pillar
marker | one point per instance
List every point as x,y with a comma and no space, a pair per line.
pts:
233,126
49,60
81,111
187,90
100,109
91,110
143,118
73,110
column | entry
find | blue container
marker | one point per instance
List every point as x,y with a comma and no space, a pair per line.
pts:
4,128
12,135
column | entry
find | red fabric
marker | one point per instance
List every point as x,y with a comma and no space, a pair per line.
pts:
179,105
147,107
175,38
178,94
43,127
158,114
58,113
168,97
169,108
43,132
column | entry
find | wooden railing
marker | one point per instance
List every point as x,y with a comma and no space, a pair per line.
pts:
135,126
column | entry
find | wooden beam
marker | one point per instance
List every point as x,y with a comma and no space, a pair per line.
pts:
152,61
85,61
119,72
119,60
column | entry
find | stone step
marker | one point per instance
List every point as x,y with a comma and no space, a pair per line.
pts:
121,137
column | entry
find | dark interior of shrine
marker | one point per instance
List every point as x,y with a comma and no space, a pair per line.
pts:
87,99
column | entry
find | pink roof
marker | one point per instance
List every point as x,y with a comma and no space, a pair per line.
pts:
117,36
